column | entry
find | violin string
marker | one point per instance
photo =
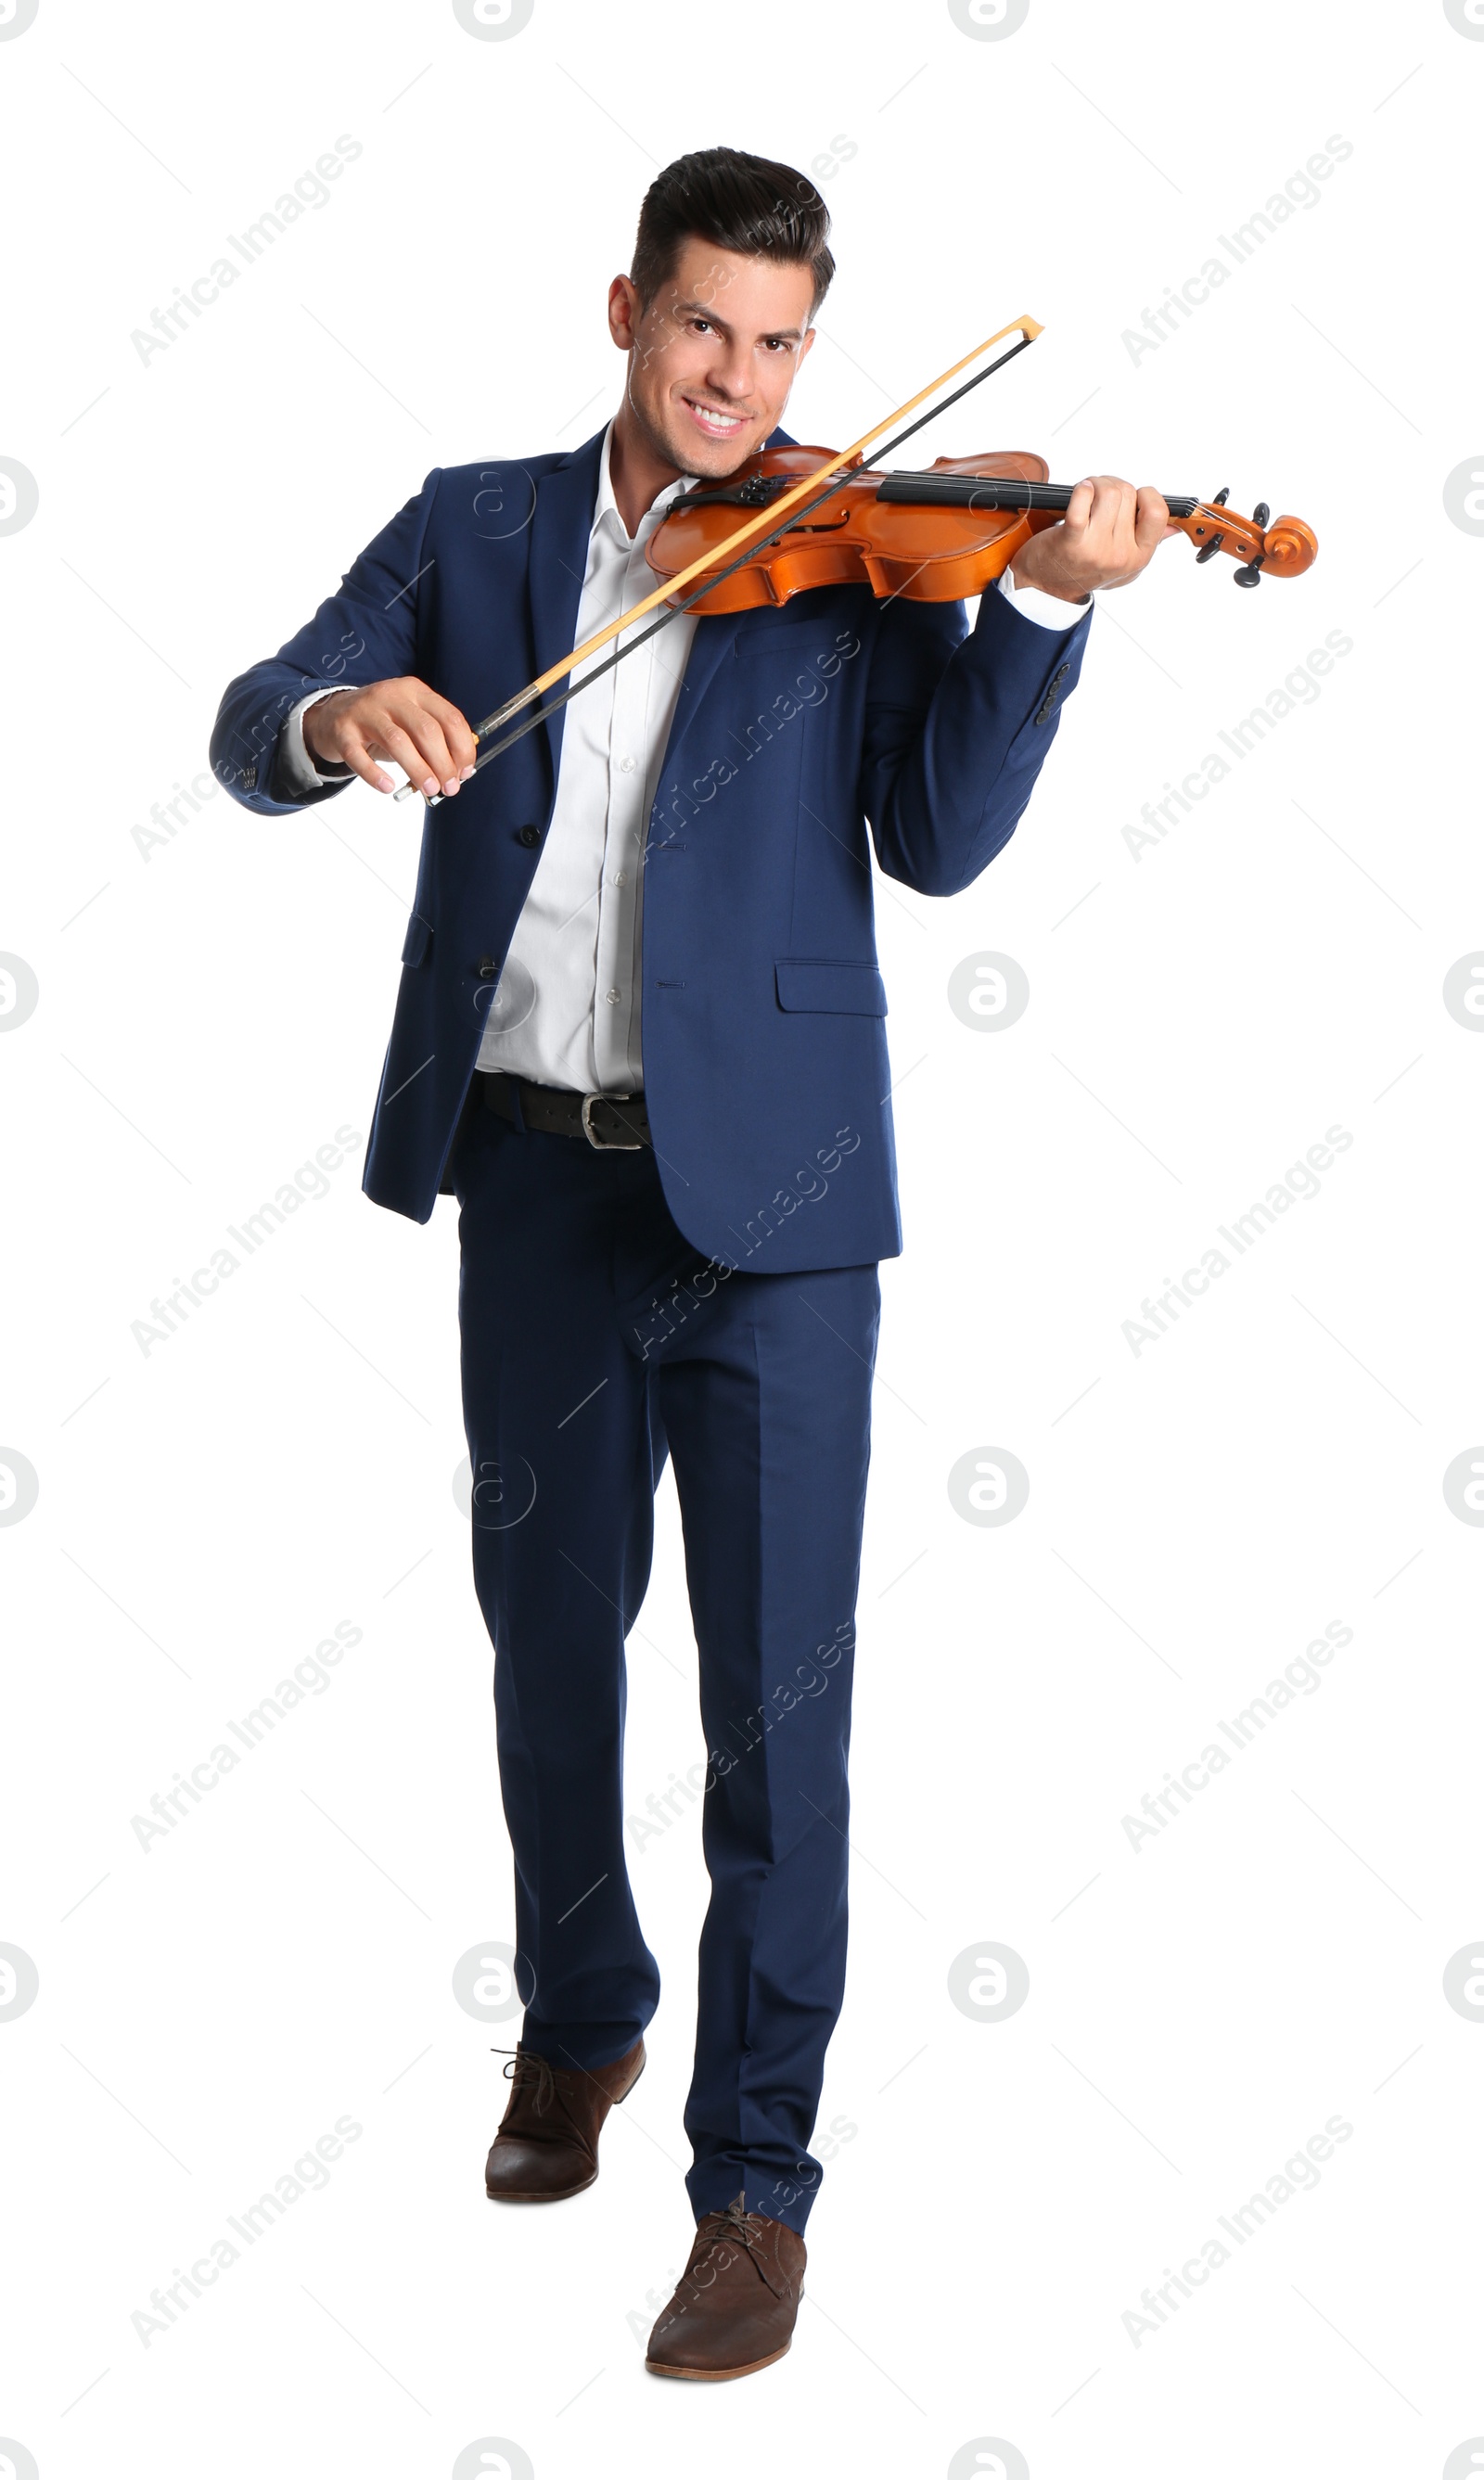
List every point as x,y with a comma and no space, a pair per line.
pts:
676,611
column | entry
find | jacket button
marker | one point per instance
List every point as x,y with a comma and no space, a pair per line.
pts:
487,969
528,836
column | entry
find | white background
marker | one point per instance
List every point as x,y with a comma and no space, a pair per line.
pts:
1199,1016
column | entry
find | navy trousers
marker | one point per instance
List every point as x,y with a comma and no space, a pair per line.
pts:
595,1341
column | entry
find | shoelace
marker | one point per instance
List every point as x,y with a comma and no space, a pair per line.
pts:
732,2224
527,2067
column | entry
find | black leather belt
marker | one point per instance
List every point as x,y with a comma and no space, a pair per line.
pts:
612,1126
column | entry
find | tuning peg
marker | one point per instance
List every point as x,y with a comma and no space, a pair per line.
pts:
1251,574
1208,550
1259,513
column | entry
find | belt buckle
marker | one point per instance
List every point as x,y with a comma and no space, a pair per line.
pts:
602,1145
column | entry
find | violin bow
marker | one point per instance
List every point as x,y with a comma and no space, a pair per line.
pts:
751,536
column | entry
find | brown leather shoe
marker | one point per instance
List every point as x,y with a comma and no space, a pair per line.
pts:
736,2302
547,2147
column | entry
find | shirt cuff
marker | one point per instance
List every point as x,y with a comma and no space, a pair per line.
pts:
1047,610
298,771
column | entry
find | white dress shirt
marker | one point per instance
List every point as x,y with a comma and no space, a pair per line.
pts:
566,1010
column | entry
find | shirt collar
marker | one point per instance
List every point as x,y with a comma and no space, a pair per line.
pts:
606,511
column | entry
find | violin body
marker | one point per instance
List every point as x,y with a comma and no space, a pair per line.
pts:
933,536
854,538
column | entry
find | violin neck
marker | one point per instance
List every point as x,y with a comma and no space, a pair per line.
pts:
1000,491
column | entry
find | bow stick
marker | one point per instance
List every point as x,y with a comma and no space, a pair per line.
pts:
749,536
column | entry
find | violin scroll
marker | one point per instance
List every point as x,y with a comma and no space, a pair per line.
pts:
1285,548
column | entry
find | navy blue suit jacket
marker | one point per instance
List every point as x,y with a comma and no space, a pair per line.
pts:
765,1069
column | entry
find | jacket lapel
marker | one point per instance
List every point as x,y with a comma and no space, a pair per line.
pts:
711,645
560,531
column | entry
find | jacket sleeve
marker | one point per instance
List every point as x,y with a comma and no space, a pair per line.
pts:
367,632
957,726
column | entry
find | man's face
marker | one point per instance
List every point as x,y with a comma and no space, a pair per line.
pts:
713,358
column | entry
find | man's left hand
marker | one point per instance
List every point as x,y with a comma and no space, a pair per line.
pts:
1108,535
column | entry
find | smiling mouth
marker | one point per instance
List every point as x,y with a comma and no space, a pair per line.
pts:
714,418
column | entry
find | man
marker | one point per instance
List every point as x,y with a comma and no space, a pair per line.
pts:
639,1036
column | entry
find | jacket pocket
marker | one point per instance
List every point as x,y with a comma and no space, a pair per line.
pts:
829,986
418,941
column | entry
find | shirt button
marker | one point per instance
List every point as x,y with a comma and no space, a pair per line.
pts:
621,878
613,997
625,765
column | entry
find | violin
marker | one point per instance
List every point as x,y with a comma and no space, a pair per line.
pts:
938,535
768,533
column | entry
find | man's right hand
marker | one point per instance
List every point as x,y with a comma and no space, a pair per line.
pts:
403,721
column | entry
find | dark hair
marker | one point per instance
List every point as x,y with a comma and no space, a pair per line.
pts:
738,203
